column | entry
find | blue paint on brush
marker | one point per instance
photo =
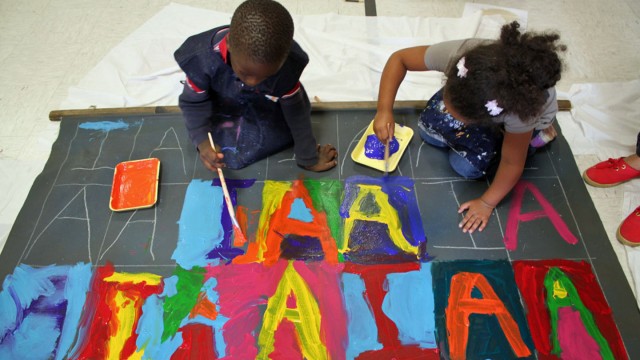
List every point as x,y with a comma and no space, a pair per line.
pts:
200,228
300,211
226,251
107,126
410,297
362,328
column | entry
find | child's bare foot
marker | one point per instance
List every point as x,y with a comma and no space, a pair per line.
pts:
327,155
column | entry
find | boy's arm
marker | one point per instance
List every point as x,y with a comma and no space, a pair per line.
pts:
197,111
512,160
296,109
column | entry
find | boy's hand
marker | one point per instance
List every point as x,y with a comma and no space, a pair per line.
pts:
477,216
383,131
327,155
210,159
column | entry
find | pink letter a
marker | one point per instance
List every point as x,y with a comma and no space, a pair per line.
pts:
515,216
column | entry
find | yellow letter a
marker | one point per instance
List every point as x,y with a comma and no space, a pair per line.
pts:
305,317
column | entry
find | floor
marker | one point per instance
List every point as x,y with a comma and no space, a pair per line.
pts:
47,46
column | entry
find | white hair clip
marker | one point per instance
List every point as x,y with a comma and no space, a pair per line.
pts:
462,71
493,108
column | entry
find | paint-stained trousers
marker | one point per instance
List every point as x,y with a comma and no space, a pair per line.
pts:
472,148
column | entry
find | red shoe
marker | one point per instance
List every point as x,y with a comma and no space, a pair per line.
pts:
629,230
609,173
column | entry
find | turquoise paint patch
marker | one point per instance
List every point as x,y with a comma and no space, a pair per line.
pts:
34,339
51,300
105,125
200,225
410,297
300,211
170,286
75,292
362,328
149,331
220,321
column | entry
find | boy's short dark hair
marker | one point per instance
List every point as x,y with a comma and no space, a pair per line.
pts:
261,30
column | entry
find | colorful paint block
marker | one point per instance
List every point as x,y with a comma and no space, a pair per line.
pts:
567,311
478,311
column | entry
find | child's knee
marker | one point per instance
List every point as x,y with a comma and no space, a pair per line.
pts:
463,166
431,137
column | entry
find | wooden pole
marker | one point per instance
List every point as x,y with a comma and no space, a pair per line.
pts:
57,115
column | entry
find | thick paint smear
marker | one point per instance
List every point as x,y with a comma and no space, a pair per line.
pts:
374,148
200,227
276,225
107,126
577,289
256,299
410,297
197,343
363,334
112,312
327,196
381,221
305,316
374,278
227,249
178,306
573,337
41,310
150,329
478,310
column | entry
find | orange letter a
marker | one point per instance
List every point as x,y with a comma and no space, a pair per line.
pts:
461,305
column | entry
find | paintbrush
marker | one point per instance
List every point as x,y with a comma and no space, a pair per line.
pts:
386,151
227,199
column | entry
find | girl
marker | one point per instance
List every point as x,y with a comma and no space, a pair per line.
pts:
497,102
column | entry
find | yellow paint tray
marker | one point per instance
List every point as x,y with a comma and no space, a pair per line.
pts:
135,184
402,134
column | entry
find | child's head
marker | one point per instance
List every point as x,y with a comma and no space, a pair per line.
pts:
514,71
260,37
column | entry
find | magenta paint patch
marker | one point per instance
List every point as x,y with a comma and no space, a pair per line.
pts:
575,342
244,291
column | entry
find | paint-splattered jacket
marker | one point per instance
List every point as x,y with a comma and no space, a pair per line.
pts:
249,123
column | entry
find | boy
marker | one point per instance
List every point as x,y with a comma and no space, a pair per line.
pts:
243,86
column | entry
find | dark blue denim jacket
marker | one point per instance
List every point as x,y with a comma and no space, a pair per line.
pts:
269,116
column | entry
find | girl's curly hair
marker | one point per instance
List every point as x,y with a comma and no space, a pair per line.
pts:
515,70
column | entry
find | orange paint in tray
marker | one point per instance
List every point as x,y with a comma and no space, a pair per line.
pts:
135,184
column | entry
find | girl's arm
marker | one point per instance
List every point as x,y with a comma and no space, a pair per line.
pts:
512,160
401,61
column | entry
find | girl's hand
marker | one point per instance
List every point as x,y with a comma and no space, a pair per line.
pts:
383,131
477,216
